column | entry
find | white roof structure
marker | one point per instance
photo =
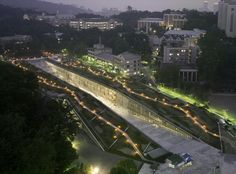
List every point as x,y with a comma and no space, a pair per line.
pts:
129,56
105,57
186,33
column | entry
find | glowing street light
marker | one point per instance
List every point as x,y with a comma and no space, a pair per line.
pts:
95,170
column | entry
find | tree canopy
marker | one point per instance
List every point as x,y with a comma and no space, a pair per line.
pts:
217,61
201,20
169,75
125,167
34,130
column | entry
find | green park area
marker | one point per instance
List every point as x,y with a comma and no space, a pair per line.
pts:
110,139
190,99
173,115
105,67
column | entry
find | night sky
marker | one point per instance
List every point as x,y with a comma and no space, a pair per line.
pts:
153,5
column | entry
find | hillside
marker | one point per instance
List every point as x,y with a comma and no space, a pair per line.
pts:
39,5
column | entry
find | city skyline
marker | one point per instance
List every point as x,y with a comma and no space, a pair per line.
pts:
152,5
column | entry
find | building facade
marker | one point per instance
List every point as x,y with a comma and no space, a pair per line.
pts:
146,23
215,7
174,20
180,55
227,17
17,39
181,48
100,23
189,73
128,62
56,20
188,38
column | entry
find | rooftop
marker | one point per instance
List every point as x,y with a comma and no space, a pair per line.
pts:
151,19
105,56
187,33
129,56
174,13
97,19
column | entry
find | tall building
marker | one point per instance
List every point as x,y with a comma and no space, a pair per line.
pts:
227,17
56,20
215,7
205,7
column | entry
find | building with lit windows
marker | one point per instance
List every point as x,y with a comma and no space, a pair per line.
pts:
227,17
56,20
181,48
174,20
180,55
100,23
128,62
146,23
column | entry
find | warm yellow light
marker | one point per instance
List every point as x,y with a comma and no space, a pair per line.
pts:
95,170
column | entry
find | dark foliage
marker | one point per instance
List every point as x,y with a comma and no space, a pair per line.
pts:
201,20
217,62
125,167
33,130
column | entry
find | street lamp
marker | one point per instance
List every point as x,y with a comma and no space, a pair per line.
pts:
95,170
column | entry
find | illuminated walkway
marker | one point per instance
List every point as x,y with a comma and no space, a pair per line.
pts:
72,93
205,157
186,112
81,103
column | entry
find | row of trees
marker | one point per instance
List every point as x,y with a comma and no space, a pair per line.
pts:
201,20
217,61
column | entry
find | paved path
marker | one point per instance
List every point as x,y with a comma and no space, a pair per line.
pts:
205,157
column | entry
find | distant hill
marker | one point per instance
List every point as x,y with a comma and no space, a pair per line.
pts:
11,23
40,5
